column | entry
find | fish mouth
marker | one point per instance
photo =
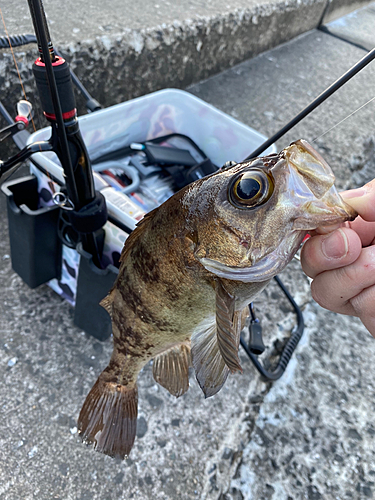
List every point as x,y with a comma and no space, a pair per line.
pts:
264,269
330,209
312,182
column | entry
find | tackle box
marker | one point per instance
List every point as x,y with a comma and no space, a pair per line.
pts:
36,250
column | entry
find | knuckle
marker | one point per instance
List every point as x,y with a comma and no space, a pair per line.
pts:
348,274
357,304
363,303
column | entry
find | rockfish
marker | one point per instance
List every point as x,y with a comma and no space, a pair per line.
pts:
188,272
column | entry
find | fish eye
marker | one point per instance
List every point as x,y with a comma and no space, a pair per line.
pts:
250,189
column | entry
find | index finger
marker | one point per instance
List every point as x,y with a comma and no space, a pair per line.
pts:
362,200
364,229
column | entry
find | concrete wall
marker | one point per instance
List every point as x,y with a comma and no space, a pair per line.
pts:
126,64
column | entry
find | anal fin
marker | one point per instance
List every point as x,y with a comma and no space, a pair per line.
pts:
108,418
171,369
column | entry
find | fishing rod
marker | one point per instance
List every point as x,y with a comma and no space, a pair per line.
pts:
315,103
86,208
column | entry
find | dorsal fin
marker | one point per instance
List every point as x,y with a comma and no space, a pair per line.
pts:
107,304
228,328
210,368
171,369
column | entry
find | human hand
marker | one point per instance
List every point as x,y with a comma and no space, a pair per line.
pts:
342,261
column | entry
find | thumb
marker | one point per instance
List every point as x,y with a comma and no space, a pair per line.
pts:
362,200
330,251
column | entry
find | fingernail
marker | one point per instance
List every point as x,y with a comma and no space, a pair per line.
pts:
357,198
335,246
353,193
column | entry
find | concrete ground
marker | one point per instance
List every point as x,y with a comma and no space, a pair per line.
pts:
308,436
122,49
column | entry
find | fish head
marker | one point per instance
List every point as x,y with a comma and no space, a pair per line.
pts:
254,215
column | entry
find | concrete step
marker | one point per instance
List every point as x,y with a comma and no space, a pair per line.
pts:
356,27
131,48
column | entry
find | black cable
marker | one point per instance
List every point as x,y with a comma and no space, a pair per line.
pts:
17,40
252,312
315,103
289,347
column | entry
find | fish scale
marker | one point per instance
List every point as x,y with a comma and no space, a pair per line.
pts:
188,272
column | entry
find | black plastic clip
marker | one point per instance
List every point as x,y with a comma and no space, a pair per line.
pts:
289,347
256,345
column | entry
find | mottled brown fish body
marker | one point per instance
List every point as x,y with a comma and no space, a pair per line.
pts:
189,271
154,305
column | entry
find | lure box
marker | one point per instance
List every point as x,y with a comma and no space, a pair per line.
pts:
33,215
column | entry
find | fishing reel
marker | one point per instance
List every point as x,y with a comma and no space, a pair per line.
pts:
16,129
21,121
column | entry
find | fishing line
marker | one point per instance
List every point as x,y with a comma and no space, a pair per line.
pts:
351,114
22,87
15,63
315,103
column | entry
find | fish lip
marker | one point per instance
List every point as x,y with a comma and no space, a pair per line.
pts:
325,214
340,208
348,211
312,178
264,269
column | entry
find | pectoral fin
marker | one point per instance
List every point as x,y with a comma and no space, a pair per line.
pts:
171,369
210,368
228,328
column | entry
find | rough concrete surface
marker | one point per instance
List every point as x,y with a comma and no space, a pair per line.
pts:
80,21
356,27
339,8
314,435
308,436
131,48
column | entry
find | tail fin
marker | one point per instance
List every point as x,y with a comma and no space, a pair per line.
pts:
108,418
